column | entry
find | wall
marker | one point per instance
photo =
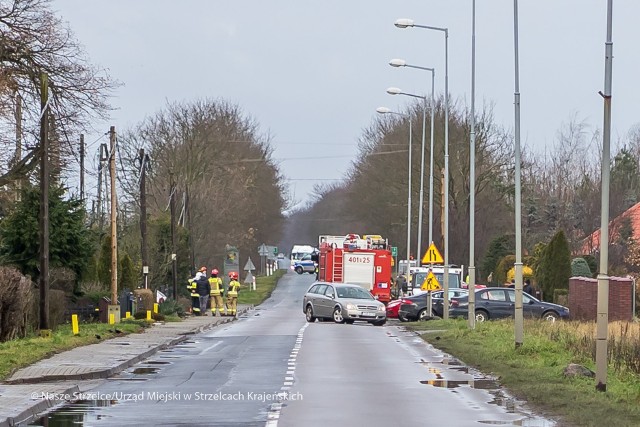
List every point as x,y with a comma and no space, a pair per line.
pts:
583,298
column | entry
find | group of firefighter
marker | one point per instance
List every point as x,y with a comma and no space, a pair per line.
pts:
211,289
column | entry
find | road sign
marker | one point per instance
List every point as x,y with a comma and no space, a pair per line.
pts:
249,278
432,256
263,250
430,283
275,250
249,265
394,251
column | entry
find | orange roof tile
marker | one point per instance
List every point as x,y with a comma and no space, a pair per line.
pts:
591,243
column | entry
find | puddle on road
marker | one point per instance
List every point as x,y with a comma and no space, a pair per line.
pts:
524,422
144,371
481,384
157,362
74,414
451,362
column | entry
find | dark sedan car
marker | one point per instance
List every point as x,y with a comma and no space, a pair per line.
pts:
496,303
417,309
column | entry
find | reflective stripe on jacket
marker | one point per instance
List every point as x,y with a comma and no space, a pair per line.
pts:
191,287
215,283
234,285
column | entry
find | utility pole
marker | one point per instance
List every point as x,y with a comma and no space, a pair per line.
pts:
44,206
602,322
82,168
442,183
472,179
18,141
174,260
114,307
519,310
102,158
192,256
143,216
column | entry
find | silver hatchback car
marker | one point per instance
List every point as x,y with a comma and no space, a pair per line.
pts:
344,303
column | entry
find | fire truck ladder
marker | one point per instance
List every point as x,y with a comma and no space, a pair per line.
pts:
337,266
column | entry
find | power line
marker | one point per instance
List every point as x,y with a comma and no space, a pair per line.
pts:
318,157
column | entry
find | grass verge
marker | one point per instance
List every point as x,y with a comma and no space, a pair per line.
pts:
22,352
264,287
534,372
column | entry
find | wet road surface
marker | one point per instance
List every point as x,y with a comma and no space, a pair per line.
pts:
272,368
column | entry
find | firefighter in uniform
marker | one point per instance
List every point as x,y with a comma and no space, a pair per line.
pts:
232,294
216,293
193,289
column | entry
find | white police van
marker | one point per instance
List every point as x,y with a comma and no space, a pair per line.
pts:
301,259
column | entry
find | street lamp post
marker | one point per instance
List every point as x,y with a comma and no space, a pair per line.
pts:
519,315
385,110
602,323
406,23
402,63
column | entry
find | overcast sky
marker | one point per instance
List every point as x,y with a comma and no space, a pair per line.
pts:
313,72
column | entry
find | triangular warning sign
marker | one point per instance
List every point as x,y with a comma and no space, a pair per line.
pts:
249,265
432,256
430,283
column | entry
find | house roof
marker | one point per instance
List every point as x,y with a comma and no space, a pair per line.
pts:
592,242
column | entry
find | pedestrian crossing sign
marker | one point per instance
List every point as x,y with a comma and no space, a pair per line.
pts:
430,283
432,256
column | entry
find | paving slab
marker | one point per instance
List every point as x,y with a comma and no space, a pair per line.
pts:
34,389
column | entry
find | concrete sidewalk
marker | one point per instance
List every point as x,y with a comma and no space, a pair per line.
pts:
35,388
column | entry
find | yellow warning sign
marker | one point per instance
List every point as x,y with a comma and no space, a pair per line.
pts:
432,256
430,283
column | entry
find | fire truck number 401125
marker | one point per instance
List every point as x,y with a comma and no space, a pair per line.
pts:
359,260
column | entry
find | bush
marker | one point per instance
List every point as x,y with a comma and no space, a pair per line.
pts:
554,268
592,263
170,307
527,273
144,299
505,264
62,278
94,291
580,268
127,272
16,300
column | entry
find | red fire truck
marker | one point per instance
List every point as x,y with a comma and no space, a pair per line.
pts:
364,261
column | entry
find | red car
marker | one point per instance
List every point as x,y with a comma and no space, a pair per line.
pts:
394,306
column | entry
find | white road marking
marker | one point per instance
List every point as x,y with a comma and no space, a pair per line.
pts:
210,347
274,413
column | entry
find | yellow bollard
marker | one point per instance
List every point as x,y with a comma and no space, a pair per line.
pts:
148,314
112,318
155,307
127,314
74,324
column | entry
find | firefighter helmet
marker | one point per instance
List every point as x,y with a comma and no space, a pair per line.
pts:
233,275
214,271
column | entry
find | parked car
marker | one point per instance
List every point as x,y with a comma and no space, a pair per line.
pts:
304,265
394,306
496,303
342,302
416,308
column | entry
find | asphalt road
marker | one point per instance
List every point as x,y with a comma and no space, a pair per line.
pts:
272,368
